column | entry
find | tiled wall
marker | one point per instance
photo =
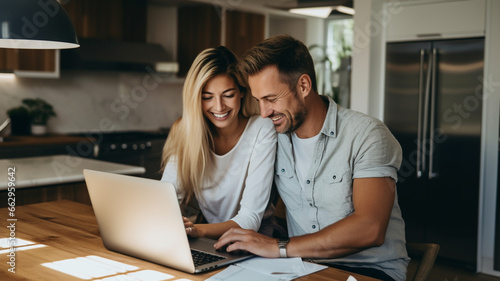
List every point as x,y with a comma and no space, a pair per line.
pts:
88,101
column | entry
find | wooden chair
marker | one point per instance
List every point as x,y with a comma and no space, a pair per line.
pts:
425,254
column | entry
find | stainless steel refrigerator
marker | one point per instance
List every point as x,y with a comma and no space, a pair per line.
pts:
433,105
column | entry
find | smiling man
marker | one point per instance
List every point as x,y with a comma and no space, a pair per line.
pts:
336,171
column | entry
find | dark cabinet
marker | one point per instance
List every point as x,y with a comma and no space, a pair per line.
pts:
121,20
201,27
198,28
243,30
27,60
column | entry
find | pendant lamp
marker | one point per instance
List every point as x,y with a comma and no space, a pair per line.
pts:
35,24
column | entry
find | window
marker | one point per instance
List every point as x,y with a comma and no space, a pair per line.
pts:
333,62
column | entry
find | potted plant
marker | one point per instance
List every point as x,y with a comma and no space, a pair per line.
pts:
20,121
40,111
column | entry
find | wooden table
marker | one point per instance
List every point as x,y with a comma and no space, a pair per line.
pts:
69,230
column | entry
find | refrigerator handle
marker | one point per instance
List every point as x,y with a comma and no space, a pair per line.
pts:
432,174
420,105
425,117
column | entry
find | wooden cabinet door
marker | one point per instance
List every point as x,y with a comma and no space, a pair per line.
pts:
7,59
27,60
243,30
198,28
121,20
36,60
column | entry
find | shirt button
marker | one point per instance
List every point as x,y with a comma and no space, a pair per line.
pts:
334,177
308,181
282,170
311,204
314,226
332,133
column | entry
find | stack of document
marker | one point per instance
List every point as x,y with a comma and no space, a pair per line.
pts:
264,269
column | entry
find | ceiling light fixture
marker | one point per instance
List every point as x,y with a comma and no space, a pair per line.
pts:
345,10
35,24
322,12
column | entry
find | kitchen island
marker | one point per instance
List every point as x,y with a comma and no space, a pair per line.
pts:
48,178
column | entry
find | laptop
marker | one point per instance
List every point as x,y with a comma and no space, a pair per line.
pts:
141,217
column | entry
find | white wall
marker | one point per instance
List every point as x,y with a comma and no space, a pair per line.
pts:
368,58
491,108
82,100
288,25
360,75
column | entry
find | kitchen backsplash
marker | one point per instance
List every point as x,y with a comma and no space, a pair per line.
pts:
104,101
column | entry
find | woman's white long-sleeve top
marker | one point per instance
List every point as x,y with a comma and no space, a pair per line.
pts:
239,186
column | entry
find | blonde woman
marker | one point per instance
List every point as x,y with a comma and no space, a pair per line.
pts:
220,153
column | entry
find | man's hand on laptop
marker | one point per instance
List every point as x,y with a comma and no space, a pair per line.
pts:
248,240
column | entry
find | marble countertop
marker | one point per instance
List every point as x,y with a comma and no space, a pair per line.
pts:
56,169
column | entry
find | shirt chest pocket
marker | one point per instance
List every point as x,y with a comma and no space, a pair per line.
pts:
288,187
336,192
334,177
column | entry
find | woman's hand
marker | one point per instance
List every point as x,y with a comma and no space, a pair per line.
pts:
191,230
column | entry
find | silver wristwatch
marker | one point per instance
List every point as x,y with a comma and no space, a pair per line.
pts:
282,246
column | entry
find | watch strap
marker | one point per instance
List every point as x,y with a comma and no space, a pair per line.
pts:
282,243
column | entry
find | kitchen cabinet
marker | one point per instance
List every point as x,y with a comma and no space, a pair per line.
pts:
201,27
25,61
29,146
76,191
6,59
36,60
243,31
451,19
121,20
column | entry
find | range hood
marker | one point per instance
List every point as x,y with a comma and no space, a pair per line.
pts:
97,54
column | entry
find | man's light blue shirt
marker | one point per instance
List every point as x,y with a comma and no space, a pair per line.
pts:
351,145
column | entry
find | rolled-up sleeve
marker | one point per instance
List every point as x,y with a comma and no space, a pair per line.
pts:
378,153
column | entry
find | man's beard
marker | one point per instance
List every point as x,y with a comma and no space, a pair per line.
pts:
297,120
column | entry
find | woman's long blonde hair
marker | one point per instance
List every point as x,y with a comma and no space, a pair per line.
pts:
190,138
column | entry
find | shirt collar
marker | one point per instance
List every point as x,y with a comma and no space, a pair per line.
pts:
330,126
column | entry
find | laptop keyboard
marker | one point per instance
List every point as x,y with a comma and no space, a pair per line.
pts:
201,258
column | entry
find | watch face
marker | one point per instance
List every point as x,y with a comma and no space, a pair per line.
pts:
283,243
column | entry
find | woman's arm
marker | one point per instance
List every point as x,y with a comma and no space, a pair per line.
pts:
258,150
259,179
210,230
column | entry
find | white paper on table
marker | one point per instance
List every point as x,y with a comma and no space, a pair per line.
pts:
284,267
351,278
237,273
268,269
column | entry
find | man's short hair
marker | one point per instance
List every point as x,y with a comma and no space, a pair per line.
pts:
289,55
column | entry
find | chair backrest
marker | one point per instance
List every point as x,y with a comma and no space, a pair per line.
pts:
426,253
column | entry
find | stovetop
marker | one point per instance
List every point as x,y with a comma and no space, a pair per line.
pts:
126,136
132,136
